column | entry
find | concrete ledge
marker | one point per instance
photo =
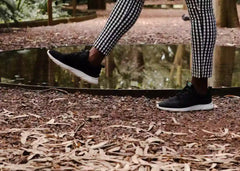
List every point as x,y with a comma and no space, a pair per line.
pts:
134,93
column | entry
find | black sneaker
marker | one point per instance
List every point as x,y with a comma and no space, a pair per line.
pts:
77,63
187,100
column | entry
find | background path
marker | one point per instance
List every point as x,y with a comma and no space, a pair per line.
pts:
154,26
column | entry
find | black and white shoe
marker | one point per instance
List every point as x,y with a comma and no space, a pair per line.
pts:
77,63
187,100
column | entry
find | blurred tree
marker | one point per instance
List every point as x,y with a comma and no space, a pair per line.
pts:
226,16
177,65
223,66
226,13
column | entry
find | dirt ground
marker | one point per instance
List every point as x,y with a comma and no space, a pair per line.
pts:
154,26
55,130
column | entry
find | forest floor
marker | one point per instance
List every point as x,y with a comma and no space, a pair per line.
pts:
53,129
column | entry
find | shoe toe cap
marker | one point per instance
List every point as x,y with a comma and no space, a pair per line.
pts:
56,55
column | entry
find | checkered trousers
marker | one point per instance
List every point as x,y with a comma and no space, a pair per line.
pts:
126,12
203,36
124,15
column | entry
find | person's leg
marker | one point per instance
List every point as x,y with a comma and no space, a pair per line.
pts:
203,41
122,18
87,65
196,96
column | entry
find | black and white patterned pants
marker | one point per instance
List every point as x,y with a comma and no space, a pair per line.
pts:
126,12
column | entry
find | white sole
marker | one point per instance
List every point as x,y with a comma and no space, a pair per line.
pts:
76,72
188,109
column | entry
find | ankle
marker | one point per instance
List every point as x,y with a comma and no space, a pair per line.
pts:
201,92
95,57
200,85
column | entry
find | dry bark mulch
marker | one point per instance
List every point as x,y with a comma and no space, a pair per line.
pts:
51,129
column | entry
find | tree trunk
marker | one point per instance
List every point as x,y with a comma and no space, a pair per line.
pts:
51,73
138,60
226,13
41,62
49,8
223,66
137,63
226,16
109,66
177,65
97,4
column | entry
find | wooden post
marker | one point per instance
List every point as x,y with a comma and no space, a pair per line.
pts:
74,7
97,4
50,12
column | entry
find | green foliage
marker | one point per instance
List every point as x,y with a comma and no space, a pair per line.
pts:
32,9
37,9
17,10
8,10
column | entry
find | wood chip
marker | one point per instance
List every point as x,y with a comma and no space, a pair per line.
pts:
100,145
154,140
